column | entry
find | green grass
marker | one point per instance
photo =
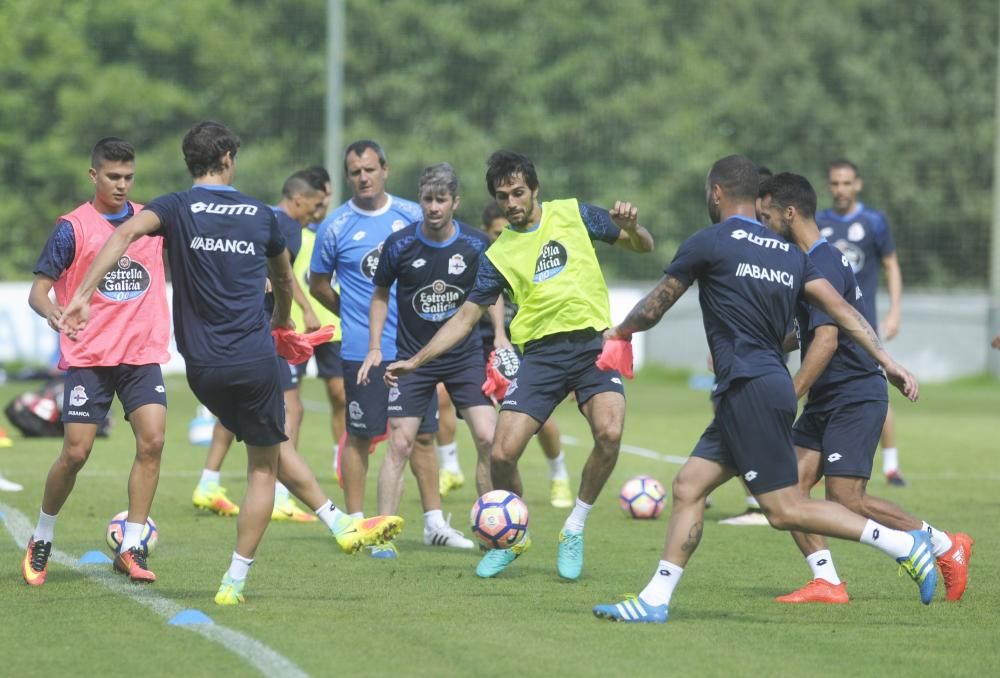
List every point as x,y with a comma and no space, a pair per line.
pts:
427,614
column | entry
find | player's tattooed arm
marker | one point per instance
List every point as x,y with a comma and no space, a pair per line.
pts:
651,308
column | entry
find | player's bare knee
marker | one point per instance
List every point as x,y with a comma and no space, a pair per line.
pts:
75,455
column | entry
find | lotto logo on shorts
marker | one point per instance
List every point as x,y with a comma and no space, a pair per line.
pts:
834,457
749,476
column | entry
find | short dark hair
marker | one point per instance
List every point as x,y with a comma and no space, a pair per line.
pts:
204,146
842,163
737,175
111,149
764,172
318,177
359,147
791,190
300,182
491,213
505,165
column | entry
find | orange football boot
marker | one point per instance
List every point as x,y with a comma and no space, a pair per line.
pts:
818,591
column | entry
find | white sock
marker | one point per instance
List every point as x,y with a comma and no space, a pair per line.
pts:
557,467
46,527
890,460
578,517
896,543
940,541
752,502
821,564
433,520
133,533
210,477
448,458
357,516
280,492
661,587
239,567
329,514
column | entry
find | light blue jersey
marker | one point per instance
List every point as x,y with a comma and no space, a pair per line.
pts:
348,245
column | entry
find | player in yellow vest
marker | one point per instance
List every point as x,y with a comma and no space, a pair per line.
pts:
545,261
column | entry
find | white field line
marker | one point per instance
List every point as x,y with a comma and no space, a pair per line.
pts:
256,654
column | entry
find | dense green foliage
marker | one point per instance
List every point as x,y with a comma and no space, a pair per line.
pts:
613,99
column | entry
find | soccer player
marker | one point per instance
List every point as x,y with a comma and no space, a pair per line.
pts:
433,264
837,433
299,201
222,246
549,437
546,261
348,245
748,284
120,352
863,235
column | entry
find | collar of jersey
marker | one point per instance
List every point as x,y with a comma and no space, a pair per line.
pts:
433,243
743,218
214,187
119,215
816,244
850,215
372,213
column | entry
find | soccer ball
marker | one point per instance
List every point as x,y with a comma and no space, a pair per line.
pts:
642,497
116,530
499,519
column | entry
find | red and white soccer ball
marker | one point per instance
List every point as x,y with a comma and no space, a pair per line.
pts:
500,519
116,530
642,497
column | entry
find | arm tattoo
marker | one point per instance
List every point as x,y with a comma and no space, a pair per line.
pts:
868,330
648,312
693,538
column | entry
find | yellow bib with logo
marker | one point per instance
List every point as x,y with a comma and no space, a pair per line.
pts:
554,275
301,270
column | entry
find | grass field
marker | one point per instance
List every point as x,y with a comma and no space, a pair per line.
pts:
312,609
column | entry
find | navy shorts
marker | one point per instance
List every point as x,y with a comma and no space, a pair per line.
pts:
288,375
462,378
328,362
88,391
246,398
367,404
846,437
553,367
752,432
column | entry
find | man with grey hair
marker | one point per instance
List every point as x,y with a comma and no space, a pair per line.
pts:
433,263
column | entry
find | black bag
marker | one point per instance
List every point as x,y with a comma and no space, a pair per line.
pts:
36,414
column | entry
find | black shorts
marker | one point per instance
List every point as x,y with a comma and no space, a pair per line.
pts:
328,362
288,375
752,432
462,378
246,398
553,367
88,391
367,404
846,437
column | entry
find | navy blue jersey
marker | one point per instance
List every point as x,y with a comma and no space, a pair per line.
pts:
218,242
865,239
490,283
852,375
291,230
60,248
749,282
432,281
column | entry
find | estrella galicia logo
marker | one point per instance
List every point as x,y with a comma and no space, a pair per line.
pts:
551,260
126,281
369,262
438,301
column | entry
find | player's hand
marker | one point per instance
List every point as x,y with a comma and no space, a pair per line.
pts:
709,363
74,318
904,381
502,342
282,323
373,359
996,342
395,370
890,325
311,321
54,317
615,333
625,215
